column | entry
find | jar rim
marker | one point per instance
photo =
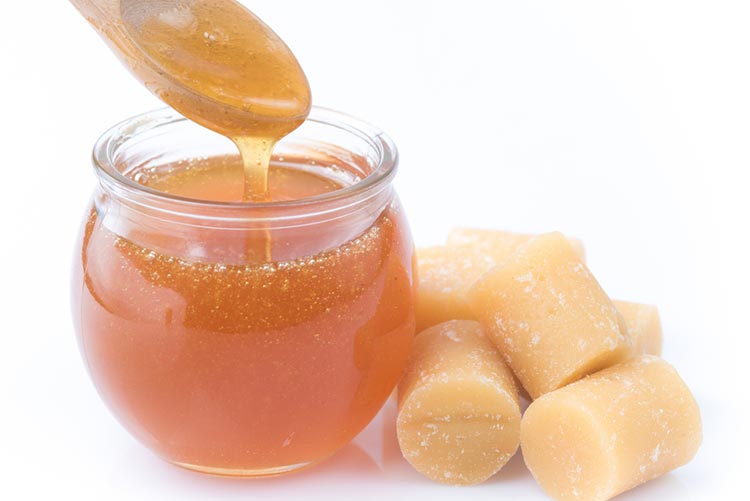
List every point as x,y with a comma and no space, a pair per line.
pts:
383,171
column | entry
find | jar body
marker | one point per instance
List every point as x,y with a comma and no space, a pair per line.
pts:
243,368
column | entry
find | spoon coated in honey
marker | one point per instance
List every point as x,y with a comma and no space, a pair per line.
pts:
212,60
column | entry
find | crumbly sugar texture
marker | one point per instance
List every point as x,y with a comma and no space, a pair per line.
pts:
644,326
459,415
611,431
548,315
447,272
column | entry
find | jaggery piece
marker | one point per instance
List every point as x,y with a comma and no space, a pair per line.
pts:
459,416
611,431
644,326
447,272
548,315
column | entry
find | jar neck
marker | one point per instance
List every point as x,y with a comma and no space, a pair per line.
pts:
174,224
152,209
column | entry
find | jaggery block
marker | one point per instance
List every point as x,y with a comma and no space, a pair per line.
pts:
458,408
548,315
447,272
644,326
611,431
444,275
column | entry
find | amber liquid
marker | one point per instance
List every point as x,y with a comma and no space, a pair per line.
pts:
244,369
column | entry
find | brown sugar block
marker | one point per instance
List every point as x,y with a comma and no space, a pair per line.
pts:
444,274
549,316
644,326
459,416
447,272
611,431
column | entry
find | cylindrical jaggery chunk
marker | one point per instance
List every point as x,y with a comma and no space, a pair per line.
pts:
459,416
644,326
611,431
549,316
447,272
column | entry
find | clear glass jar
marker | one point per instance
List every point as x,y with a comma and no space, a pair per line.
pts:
225,361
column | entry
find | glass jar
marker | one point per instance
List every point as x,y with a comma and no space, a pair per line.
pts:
229,361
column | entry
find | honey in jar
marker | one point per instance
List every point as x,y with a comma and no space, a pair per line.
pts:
244,307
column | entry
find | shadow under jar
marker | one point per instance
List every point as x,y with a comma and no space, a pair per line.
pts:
237,338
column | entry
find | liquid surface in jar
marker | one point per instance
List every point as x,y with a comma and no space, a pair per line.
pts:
244,367
216,63
220,179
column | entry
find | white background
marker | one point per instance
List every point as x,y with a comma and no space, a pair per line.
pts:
626,124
